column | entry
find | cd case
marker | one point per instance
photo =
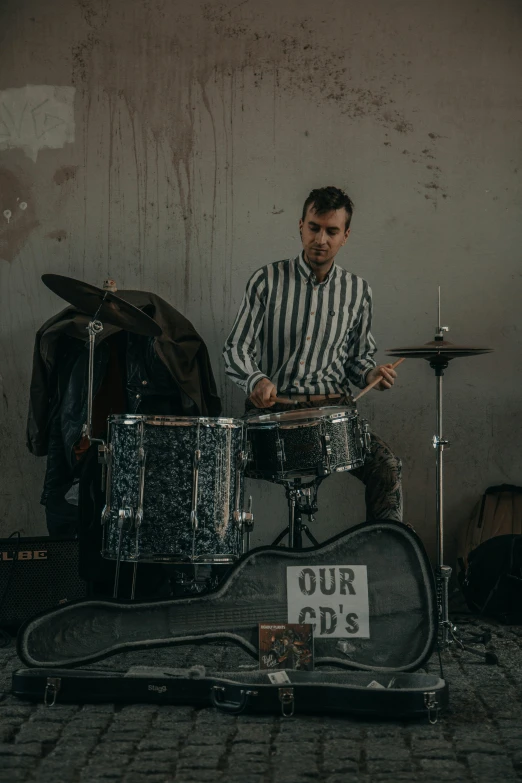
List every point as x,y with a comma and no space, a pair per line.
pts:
286,646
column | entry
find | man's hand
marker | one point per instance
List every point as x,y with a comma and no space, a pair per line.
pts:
384,371
264,394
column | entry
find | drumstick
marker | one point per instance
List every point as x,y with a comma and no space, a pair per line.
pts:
377,380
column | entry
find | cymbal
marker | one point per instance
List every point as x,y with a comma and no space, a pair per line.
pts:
106,306
437,348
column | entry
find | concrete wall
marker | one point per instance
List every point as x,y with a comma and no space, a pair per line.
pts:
170,145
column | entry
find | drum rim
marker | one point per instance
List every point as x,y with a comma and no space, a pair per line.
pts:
345,413
211,421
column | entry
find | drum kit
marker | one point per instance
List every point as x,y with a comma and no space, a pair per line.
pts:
174,485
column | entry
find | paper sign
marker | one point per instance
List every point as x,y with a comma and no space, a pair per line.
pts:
279,678
334,599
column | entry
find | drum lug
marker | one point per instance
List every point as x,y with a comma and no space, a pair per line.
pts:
242,517
195,478
125,513
104,459
142,457
248,453
106,513
241,463
280,454
327,450
366,439
242,459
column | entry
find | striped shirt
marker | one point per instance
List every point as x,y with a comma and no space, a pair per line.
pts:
310,337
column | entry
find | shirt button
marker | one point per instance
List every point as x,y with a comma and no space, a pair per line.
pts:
313,312
301,362
144,383
138,396
307,338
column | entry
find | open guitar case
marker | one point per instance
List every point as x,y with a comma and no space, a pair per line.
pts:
375,676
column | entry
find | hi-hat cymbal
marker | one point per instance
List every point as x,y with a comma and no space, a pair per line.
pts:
106,306
442,348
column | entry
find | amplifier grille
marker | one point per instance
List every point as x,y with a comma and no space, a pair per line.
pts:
38,573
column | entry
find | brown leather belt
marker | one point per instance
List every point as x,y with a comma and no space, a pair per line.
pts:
308,397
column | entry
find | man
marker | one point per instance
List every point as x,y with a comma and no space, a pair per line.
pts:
311,320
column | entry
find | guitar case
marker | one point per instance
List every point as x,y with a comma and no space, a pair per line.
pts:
402,620
332,693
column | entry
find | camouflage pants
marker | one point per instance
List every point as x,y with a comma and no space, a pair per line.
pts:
381,472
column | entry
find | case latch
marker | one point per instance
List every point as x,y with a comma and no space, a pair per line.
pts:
432,705
52,687
286,697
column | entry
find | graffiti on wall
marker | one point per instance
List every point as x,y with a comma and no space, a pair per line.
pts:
36,116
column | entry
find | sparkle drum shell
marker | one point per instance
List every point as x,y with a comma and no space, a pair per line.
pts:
305,442
173,507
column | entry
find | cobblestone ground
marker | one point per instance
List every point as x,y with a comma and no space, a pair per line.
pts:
478,739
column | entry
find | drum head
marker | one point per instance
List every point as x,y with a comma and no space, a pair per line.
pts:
302,414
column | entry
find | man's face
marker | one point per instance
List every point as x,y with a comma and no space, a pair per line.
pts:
323,235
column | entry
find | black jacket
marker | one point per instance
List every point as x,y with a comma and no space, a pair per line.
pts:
167,375
179,348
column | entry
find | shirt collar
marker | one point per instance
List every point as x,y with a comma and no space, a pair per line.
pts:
309,274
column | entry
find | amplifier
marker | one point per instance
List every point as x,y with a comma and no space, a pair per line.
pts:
37,574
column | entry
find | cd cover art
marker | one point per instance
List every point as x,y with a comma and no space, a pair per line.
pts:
286,646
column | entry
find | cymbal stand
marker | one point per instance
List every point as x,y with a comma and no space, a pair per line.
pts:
301,499
94,329
448,633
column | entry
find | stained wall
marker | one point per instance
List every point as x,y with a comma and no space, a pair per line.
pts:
170,146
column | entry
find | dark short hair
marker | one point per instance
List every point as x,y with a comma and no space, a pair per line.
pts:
327,199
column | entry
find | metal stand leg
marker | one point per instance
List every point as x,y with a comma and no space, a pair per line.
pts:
124,515
301,500
309,535
134,575
247,525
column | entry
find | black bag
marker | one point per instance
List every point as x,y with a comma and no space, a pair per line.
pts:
332,693
492,583
498,513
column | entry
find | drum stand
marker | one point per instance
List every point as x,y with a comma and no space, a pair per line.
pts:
448,633
301,499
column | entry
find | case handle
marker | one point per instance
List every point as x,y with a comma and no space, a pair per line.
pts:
217,697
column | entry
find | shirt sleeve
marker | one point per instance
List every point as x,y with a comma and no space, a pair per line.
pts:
361,346
240,351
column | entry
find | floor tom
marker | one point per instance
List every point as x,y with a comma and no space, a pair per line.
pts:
174,489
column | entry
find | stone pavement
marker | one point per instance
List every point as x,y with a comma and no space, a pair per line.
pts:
478,739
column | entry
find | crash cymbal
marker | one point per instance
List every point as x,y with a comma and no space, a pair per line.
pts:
105,305
442,348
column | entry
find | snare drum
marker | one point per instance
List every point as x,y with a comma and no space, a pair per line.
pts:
305,442
175,488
